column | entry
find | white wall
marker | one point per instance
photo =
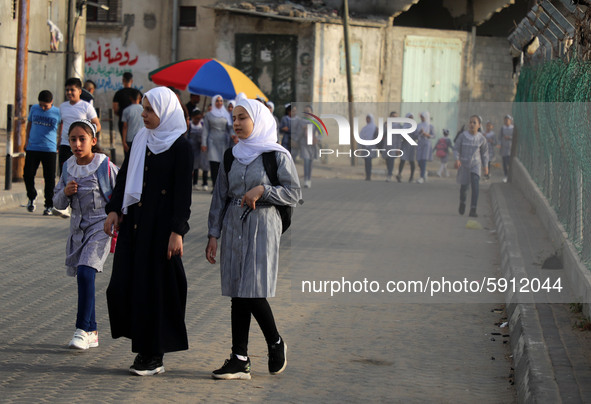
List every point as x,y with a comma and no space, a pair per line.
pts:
45,72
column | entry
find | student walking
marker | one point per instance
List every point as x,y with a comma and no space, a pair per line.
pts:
471,152
216,136
200,158
409,153
392,149
132,120
424,149
491,138
243,214
441,150
71,110
506,140
151,204
85,185
41,146
308,152
368,132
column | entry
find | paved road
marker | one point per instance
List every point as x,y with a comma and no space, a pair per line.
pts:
352,347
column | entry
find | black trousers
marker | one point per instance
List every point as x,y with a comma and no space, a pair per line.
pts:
65,152
214,168
242,309
412,168
32,161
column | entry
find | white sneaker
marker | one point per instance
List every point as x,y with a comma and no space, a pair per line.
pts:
80,340
504,179
196,187
63,213
420,180
308,184
93,339
205,188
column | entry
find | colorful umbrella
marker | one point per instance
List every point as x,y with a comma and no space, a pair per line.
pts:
206,77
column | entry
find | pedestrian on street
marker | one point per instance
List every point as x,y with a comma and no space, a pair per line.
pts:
86,184
132,120
200,161
491,138
308,152
217,135
471,152
41,148
150,207
243,215
368,132
285,128
442,150
391,149
506,140
409,153
72,110
122,99
425,149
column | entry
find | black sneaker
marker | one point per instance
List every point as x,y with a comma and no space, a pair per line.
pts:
147,365
233,368
31,205
48,212
462,208
277,357
398,178
472,212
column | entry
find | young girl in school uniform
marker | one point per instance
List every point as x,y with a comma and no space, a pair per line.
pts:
242,213
85,185
471,152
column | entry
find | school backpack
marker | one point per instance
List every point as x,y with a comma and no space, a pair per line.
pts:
270,164
441,147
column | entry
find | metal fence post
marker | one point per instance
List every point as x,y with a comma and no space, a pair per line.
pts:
8,173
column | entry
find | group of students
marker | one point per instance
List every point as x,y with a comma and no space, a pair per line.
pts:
473,152
141,212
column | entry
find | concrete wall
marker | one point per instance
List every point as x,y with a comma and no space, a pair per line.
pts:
330,81
493,70
45,72
486,65
228,24
394,52
139,43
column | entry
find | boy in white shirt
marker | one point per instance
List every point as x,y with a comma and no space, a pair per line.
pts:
72,110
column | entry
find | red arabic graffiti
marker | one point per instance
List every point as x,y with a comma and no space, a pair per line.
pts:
110,56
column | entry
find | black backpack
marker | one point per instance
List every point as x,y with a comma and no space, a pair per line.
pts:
270,164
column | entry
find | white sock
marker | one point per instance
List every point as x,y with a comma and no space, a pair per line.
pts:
241,357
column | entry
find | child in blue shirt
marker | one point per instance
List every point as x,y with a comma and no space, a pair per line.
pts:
41,147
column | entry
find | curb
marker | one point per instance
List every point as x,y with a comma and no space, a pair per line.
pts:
534,375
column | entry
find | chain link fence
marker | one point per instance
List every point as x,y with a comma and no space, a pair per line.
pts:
552,112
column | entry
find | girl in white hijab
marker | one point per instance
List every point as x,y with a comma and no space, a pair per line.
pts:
243,215
217,135
151,205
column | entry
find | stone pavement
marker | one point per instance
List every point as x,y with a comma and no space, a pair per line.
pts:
349,347
352,347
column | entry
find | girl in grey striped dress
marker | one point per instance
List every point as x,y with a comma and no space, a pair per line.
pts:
471,152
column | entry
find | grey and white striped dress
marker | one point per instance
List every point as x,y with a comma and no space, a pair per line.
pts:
249,249
472,151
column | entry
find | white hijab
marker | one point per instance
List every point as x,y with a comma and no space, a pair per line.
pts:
221,112
264,133
426,125
172,125
369,130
